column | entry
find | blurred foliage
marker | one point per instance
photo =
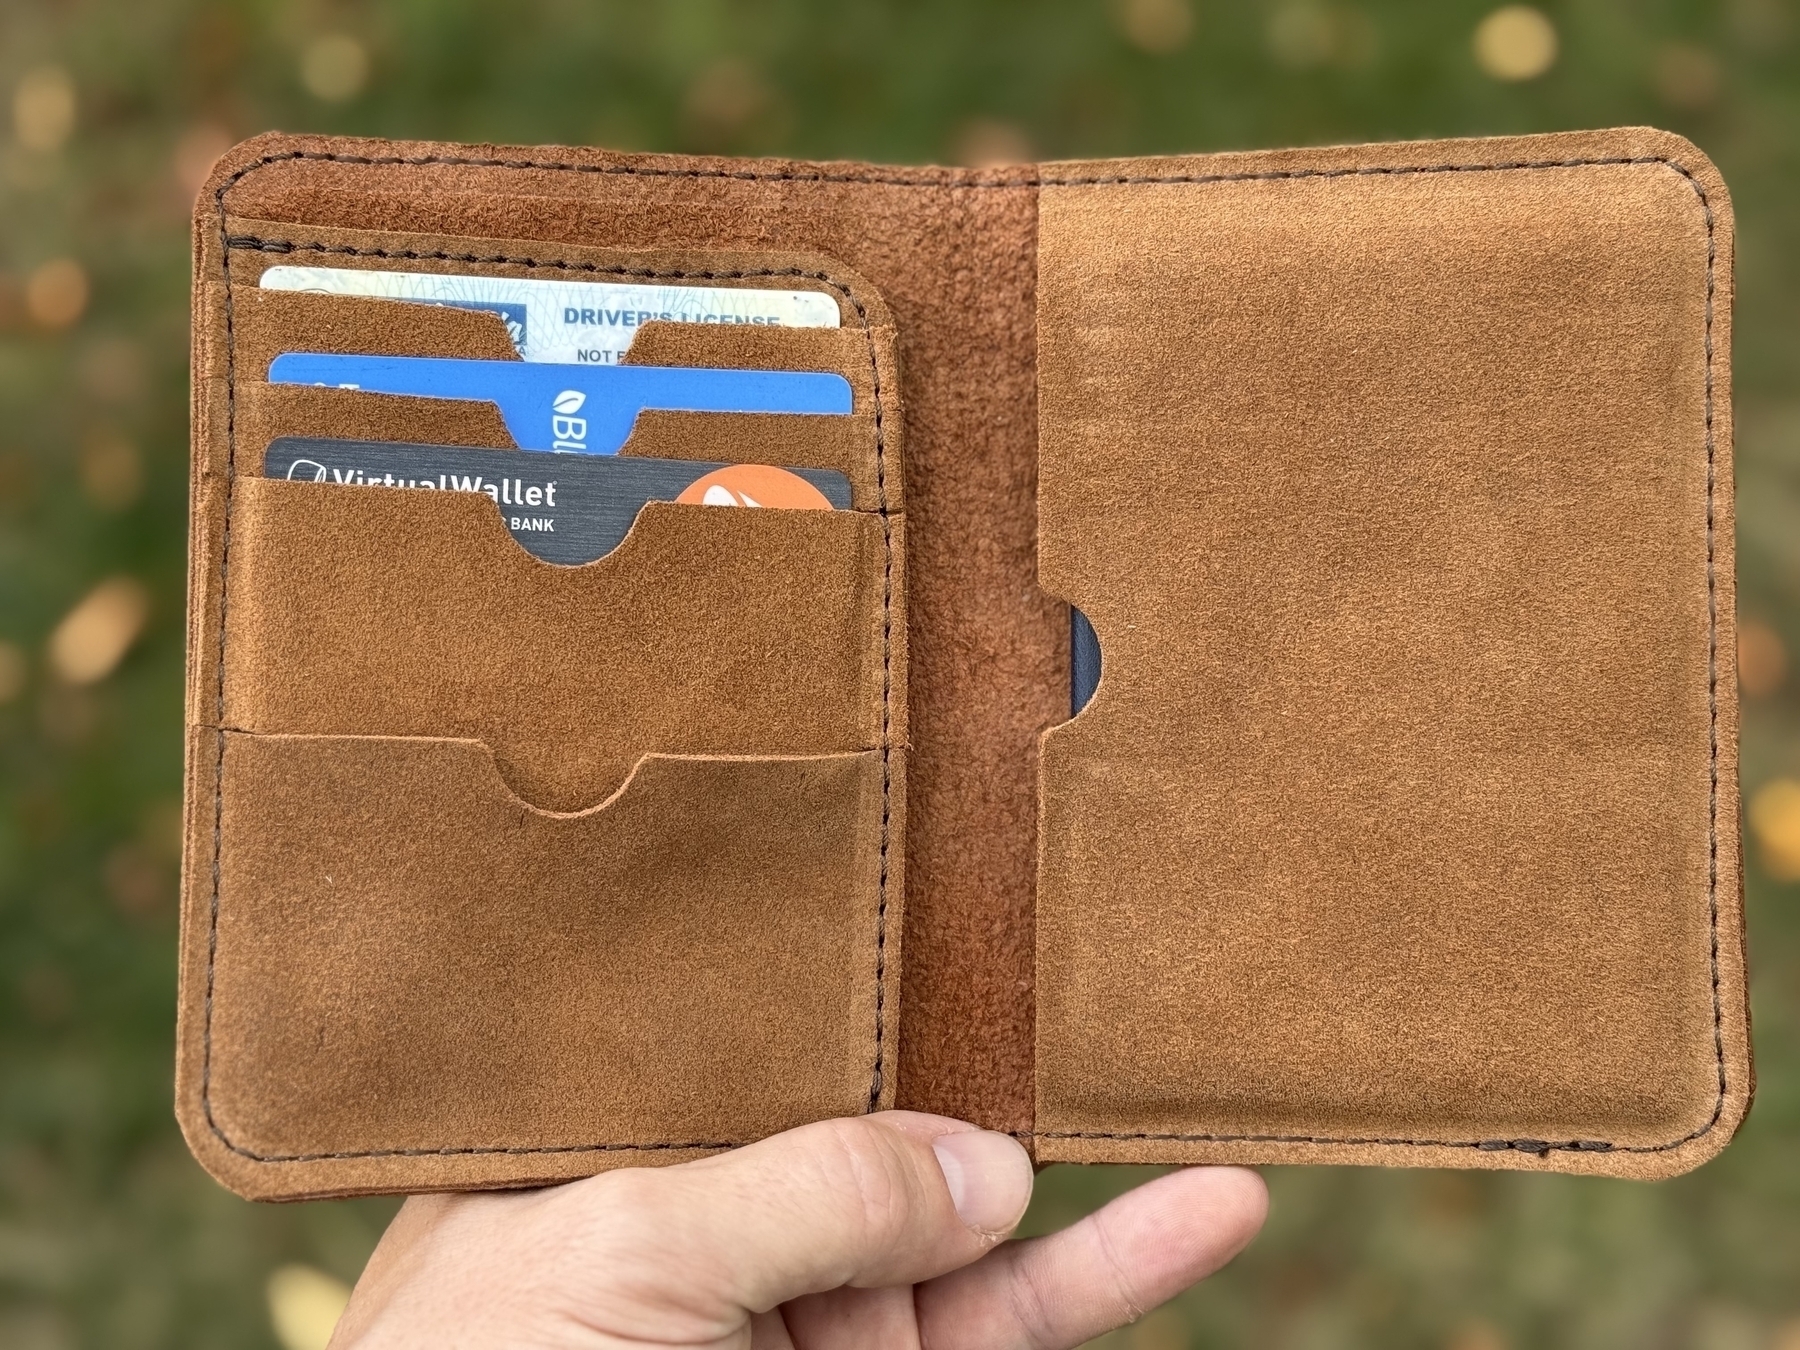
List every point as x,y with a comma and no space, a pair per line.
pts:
109,1235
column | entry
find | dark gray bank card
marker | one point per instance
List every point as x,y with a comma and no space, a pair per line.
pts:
566,509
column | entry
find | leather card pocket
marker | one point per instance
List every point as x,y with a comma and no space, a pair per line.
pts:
1402,826
410,962
502,871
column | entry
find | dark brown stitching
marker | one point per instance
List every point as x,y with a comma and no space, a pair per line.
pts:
1537,1146
952,180
212,927
1357,171
1102,180
711,1145
887,691
244,242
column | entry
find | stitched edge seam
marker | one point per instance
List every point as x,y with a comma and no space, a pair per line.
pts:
229,242
705,1146
1537,1146
945,184
1103,180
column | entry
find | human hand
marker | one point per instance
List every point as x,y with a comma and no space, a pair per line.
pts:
874,1231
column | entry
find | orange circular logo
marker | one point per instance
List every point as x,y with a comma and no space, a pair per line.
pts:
754,485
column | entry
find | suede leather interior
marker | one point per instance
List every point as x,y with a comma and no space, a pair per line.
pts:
268,411
707,631
626,986
265,324
774,438
1407,586
1395,479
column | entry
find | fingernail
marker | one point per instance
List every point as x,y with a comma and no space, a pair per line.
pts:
989,1177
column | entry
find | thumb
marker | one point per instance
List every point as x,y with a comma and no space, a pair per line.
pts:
878,1200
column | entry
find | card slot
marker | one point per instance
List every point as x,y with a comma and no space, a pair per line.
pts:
264,324
842,351
268,323
709,630
866,445
790,440
409,959
268,411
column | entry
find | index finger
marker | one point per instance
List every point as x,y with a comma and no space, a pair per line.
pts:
1103,1272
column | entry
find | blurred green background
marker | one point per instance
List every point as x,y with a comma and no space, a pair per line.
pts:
111,1237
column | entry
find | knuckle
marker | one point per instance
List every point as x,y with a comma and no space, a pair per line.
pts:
1129,1298
607,1212
610,1195
1030,1305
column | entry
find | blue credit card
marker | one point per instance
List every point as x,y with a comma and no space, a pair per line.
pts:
576,409
1084,660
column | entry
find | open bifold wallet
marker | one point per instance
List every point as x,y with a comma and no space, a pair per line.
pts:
1391,483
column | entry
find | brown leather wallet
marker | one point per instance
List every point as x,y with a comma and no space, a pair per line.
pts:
1395,480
